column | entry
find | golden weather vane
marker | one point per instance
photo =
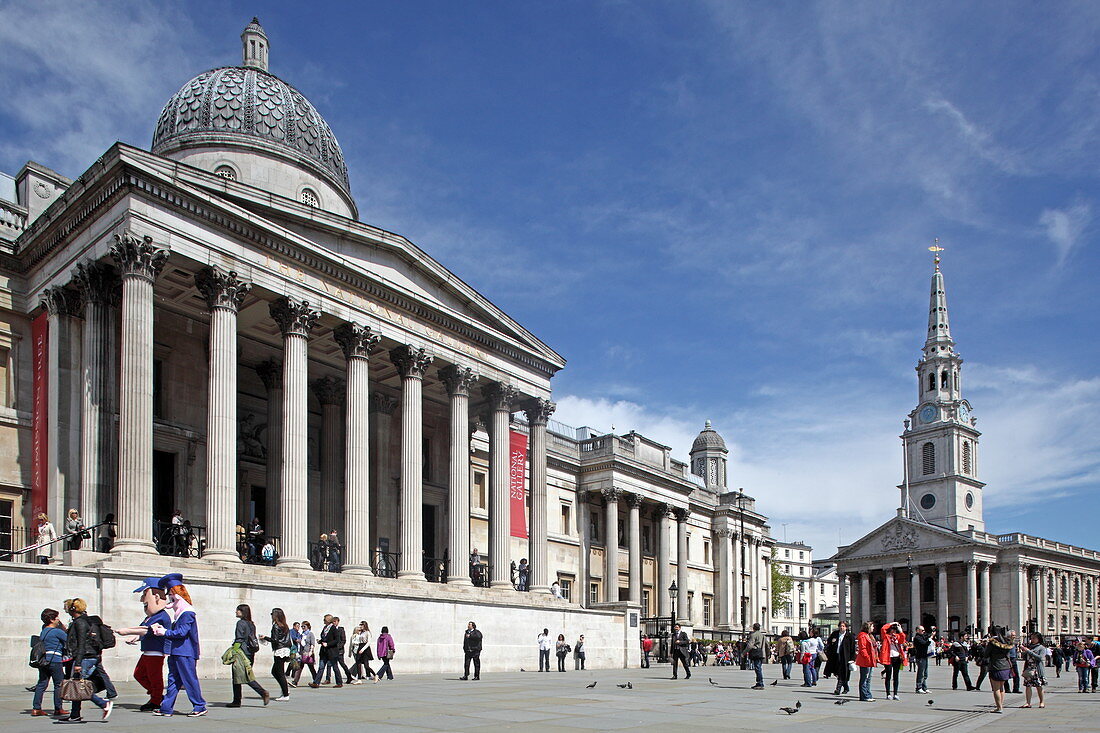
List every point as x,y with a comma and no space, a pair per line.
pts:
936,249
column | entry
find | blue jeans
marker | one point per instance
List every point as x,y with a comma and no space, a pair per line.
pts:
922,673
326,665
865,683
544,660
758,665
87,670
786,661
808,673
1082,679
55,672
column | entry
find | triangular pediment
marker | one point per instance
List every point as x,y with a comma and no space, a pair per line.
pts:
902,535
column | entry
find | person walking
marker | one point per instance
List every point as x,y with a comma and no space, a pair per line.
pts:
279,639
561,648
918,656
52,638
341,643
785,649
809,648
360,651
45,540
149,671
840,651
83,645
1034,655
756,645
245,639
544,644
977,655
1084,661
1013,659
892,656
681,646
1057,656
957,654
647,647
866,659
328,655
181,647
308,650
471,651
998,665
578,653
386,650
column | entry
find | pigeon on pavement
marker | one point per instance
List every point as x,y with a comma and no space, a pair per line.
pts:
931,701
841,702
789,711
623,687
775,683
712,681
589,687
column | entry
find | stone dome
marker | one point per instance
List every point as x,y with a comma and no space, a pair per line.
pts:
252,107
708,439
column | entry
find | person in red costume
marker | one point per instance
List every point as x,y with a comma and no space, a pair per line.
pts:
149,671
893,656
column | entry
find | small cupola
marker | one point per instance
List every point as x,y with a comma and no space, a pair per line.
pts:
255,46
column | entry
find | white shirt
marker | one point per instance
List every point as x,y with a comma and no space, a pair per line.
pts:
544,643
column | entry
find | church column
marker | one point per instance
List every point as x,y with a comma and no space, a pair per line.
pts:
986,600
737,589
611,545
842,598
384,517
330,392
98,284
723,595
271,374
664,553
1018,595
943,619
412,363
865,596
458,381
682,563
295,320
63,409
914,600
890,605
971,595
357,343
224,292
538,413
634,547
139,262
584,533
500,397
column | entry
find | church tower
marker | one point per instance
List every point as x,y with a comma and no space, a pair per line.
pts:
941,441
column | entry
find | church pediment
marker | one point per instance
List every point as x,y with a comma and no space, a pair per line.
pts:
902,535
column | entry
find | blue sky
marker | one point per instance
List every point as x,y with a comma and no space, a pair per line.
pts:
712,210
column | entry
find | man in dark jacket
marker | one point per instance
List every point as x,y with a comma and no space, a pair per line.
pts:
681,650
958,652
331,651
919,654
841,651
471,648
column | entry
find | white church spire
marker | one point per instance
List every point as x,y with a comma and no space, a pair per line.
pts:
939,327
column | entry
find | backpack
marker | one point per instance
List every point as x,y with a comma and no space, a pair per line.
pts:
38,659
100,635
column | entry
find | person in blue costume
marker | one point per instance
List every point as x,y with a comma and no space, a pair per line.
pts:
150,667
182,648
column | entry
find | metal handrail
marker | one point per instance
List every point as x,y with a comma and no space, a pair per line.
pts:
386,564
481,574
61,538
250,548
179,540
435,569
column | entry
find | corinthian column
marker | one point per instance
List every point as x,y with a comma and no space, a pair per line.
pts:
412,364
611,545
500,397
914,600
664,574
725,576
972,595
330,392
865,597
538,413
458,381
98,284
682,563
295,320
942,606
139,262
63,403
271,373
634,547
357,343
224,292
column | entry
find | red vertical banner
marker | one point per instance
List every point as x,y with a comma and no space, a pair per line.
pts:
517,483
40,363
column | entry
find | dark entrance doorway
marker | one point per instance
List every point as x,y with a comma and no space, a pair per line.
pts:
428,530
257,508
164,485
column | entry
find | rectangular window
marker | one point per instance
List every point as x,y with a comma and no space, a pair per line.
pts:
566,521
594,526
427,459
646,610
707,601
786,553
822,589
593,592
5,372
7,518
706,552
647,543
158,388
566,585
478,490
801,555
801,570
801,610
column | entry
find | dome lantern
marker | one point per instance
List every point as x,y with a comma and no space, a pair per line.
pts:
709,457
255,46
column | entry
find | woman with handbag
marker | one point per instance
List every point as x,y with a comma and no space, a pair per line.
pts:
561,648
45,539
809,646
52,639
892,654
307,645
386,650
83,646
280,647
1083,661
74,528
245,639
1035,654
361,653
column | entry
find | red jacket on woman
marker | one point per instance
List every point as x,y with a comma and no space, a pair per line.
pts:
884,652
865,650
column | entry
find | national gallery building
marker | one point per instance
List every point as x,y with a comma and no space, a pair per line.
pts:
294,408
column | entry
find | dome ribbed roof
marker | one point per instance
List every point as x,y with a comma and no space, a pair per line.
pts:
708,439
251,104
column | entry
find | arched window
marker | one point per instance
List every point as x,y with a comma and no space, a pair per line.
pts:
928,459
226,172
1076,623
1065,590
968,466
932,382
1050,622
1050,587
945,379
929,594
1076,590
1088,624
957,385
880,592
309,197
1065,623
1088,591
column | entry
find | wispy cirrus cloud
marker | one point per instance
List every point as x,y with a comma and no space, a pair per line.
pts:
1065,227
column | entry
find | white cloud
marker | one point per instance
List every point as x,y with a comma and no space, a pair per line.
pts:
1064,227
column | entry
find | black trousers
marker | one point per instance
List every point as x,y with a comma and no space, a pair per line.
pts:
843,674
960,668
682,658
561,661
474,657
253,684
362,664
278,671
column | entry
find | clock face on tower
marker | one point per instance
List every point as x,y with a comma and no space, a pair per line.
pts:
964,413
928,413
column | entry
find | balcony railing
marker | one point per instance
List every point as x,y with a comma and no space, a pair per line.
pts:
480,574
435,569
256,548
179,540
386,564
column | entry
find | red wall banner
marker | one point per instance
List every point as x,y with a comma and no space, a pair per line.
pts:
40,358
517,484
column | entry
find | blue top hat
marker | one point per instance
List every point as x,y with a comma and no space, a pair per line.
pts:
170,580
147,584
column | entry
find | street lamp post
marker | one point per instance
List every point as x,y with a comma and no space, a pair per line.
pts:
673,591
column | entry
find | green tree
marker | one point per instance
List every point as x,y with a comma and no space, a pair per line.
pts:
781,586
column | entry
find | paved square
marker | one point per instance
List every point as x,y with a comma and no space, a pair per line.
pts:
561,702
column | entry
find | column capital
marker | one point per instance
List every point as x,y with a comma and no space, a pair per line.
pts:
681,514
271,374
61,301
661,510
221,289
723,533
411,362
294,318
457,379
611,496
971,564
500,395
539,410
138,256
97,282
356,341
632,499
941,567
330,390
382,403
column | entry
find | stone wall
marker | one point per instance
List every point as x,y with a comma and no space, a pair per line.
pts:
427,620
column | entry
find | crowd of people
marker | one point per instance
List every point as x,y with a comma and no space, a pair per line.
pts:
561,648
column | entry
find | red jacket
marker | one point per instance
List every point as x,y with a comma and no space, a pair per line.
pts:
865,650
647,645
884,652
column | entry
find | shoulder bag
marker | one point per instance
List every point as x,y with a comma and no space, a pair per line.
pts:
77,690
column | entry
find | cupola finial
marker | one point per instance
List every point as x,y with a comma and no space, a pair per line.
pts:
255,46
935,249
